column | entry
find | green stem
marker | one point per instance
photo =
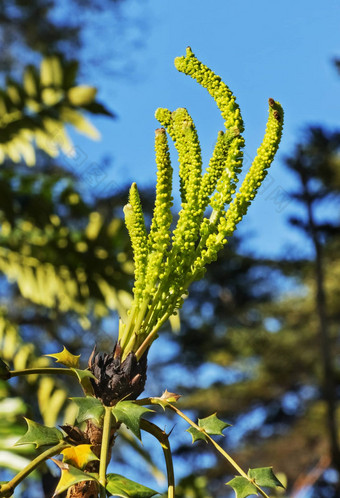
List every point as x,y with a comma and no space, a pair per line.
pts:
8,488
218,447
42,371
164,441
155,401
104,451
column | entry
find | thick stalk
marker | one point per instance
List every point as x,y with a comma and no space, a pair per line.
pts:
105,449
8,488
162,437
43,371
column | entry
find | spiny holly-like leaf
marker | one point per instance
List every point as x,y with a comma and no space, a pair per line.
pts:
242,487
89,408
166,398
66,358
4,371
197,435
69,476
40,435
264,476
129,414
79,456
119,485
213,425
84,377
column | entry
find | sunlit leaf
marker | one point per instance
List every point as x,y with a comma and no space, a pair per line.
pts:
264,476
89,409
119,485
81,95
69,476
79,456
80,122
40,435
243,487
129,413
197,435
66,358
213,425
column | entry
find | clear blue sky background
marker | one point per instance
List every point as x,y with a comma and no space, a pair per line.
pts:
263,49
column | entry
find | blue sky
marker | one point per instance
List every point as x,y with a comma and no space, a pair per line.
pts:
261,49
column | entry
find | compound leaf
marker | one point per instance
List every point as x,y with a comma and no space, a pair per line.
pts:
243,487
40,435
129,413
118,485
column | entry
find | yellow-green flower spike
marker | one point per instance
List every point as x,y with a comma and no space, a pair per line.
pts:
255,176
219,91
159,238
164,116
165,265
135,224
189,153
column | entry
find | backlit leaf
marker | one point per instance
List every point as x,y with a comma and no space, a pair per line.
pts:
119,485
242,487
213,425
89,409
129,413
69,476
66,358
79,456
40,435
264,476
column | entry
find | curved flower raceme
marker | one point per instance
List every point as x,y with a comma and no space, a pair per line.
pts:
166,262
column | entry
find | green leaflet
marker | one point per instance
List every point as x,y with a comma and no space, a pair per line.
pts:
40,435
213,425
119,485
79,456
84,377
66,358
69,476
264,476
89,409
243,487
197,435
129,413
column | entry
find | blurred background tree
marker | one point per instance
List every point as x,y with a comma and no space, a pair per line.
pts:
259,338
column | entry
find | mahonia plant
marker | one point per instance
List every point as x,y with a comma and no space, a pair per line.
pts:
167,261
